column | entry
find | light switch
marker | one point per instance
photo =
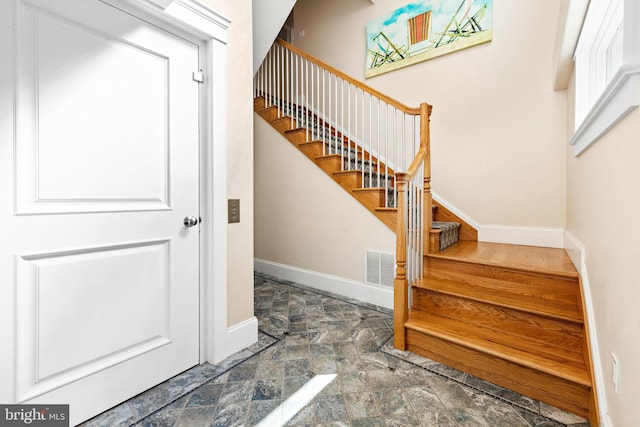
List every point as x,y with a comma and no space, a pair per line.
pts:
234,211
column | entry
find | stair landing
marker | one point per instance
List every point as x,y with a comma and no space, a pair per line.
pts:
550,261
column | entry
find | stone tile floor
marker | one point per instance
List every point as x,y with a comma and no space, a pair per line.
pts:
327,360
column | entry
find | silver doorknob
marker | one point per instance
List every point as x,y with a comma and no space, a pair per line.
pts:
190,221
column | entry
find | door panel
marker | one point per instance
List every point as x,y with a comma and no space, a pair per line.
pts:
103,161
63,338
91,103
132,141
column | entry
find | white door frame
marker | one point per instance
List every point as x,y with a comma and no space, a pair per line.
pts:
210,29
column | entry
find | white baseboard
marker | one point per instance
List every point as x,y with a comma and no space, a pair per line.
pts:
577,253
575,249
510,234
338,285
517,235
240,336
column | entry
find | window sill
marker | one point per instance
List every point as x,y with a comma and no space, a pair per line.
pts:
619,99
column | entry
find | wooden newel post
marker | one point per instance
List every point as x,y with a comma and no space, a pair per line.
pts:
400,283
425,137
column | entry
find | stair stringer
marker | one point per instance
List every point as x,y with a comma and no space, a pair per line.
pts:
371,198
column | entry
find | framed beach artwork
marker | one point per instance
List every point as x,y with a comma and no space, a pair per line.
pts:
425,29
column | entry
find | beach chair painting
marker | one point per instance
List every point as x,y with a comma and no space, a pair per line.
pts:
425,29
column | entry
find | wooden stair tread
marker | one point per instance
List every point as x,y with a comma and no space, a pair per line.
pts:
545,261
294,130
551,338
494,295
269,108
282,118
473,337
349,172
565,290
369,189
313,142
328,157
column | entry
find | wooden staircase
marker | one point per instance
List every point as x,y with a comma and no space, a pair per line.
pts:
512,315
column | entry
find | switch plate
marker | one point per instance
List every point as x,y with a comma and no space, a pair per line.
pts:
234,211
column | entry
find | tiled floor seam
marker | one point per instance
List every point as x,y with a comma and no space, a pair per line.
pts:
151,414
478,389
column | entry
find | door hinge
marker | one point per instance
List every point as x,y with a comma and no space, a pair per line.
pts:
198,76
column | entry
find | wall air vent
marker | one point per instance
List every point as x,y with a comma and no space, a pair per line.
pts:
379,268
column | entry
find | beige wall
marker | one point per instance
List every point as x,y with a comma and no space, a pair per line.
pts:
498,128
603,208
303,218
239,155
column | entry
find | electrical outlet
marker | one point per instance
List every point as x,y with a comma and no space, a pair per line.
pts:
615,373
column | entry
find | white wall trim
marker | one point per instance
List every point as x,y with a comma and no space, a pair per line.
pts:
606,421
241,335
214,210
454,210
621,96
518,235
380,296
193,15
572,13
575,249
578,255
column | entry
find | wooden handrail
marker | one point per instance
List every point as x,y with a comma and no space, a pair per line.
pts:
425,111
400,106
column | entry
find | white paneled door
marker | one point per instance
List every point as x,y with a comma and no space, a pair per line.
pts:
99,292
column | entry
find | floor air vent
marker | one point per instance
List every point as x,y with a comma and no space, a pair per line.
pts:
379,268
